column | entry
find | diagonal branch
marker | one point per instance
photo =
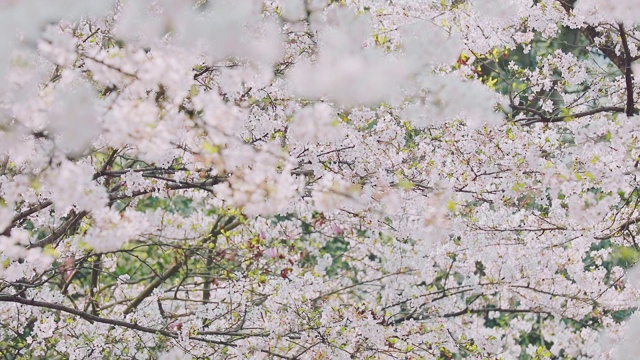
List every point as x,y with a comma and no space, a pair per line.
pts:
620,228
60,231
592,34
149,289
32,210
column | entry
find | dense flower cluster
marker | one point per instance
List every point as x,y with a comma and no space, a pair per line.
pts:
311,179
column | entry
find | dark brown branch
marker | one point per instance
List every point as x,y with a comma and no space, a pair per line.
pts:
179,184
24,214
592,34
60,231
206,288
112,67
4,163
543,117
94,318
628,76
523,229
113,197
95,277
555,119
157,170
337,150
487,310
90,35
621,228
106,164
98,319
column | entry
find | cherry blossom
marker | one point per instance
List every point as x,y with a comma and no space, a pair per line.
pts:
310,179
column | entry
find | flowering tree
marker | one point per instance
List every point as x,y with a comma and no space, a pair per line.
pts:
310,179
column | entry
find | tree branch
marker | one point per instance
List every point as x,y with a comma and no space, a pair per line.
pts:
24,214
98,319
60,231
149,289
486,310
555,119
592,34
628,76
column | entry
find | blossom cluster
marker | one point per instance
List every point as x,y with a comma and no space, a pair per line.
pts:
309,179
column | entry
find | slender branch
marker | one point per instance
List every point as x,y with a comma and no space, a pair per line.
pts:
540,114
24,214
94,318
336,150
98,319
60,231
482,311
4,163
95,277
149,170
149,289
628,76
522,229
555,119
621,228
206,287
357,284
106,164
112,67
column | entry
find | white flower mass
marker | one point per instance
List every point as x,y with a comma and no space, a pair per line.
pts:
319,179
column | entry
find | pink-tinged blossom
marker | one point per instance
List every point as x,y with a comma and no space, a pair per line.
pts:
336,229
271,253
